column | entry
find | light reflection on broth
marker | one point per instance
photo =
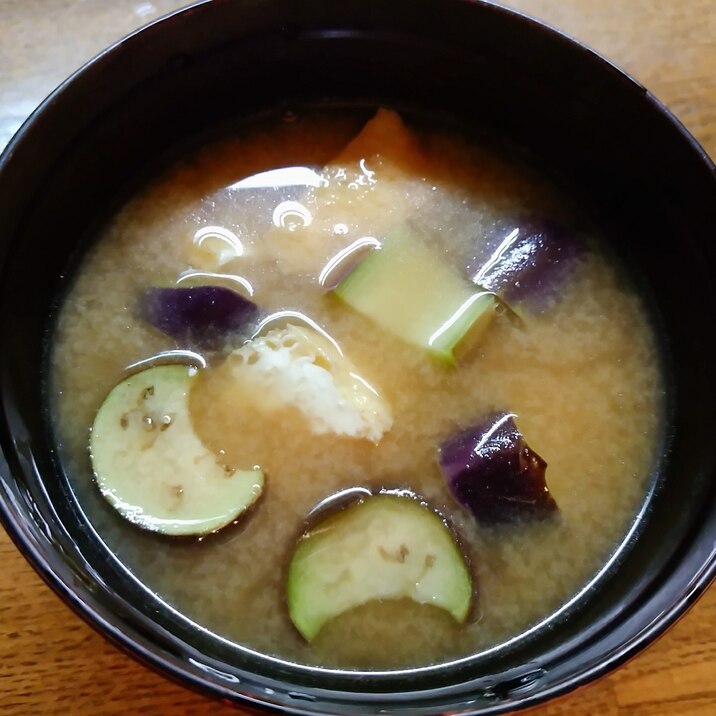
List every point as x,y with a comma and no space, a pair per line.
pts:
198,278
582,377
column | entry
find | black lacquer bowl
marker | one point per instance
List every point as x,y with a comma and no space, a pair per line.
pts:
120,119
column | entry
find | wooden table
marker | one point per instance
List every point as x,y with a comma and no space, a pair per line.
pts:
50,661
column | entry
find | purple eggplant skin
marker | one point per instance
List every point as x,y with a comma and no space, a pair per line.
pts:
527,264
491,470
199,316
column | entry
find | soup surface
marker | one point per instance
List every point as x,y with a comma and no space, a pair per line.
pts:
581,374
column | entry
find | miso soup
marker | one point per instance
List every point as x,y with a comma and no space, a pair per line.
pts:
401,325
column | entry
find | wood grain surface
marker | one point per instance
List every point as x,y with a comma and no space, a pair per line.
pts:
53,663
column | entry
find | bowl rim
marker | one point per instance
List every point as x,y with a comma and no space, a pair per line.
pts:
81,601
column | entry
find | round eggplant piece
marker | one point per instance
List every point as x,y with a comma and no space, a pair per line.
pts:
386,546
151,466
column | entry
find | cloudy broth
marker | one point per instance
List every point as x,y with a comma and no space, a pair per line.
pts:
283,199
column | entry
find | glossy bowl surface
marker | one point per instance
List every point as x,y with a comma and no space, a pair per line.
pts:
195,74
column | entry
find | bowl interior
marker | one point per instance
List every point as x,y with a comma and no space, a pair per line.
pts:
581,121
